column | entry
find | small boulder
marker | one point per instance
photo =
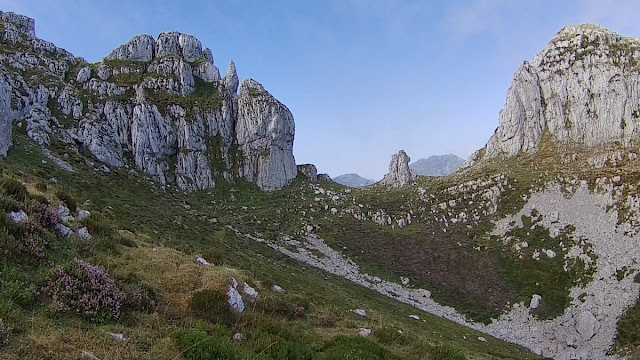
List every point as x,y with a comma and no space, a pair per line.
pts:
277,288
365,332
360,312
482,339
19,217
63,231
414,317
238,337
202,261
117,337
251,292
65,214
83,214
83,232
535,301
235,300
587,325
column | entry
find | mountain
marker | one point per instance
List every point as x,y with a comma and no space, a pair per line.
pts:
156,105
579,91
149,209
353,180
437,165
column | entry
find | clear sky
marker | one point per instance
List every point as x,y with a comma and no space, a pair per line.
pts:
363,78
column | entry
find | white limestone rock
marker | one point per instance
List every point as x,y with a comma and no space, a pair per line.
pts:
581,89
83,232
265,132
6,116
83,75
309,171
400,174
587,325
140,48
535,301
19,217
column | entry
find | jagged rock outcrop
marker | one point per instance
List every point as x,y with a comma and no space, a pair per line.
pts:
582,89
309,171
400,174
157,104
264,132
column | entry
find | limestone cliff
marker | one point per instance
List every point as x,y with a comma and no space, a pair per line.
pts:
159,105
582,89
400,174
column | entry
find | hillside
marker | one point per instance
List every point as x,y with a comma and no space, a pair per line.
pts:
144,198
437,165
353,180
140,213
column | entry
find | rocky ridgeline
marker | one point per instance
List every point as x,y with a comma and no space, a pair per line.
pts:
581,90
159,105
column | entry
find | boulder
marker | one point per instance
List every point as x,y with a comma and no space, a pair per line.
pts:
587,325
140,48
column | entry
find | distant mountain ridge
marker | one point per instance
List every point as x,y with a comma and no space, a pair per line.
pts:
353,180
437,165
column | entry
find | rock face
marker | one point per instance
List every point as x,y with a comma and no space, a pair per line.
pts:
437,165
400,174
309,171
581,89
157,104
264,133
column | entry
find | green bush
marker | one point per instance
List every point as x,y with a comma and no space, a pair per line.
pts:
389,335
67,199
277,347
213,257
354,348
42,187
287,305
446,352
212,306
197,344
15,189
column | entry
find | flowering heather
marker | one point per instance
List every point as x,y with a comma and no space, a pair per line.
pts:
141,299
86,290
35,248
4,333
49,218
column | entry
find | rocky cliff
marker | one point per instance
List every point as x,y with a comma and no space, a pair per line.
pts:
581,90
400,174
159,105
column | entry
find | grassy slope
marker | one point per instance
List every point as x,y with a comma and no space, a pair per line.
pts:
161,220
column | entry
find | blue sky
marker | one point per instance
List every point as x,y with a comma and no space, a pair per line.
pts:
363,78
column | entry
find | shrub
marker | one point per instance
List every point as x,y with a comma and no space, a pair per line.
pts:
196,344
4,333
388,336
212,306
290,306
279,348
49,218
446,352
15,189
354,348
67,199
212,256
42,187
143,298
86,290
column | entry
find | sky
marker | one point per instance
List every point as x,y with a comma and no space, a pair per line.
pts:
363,78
